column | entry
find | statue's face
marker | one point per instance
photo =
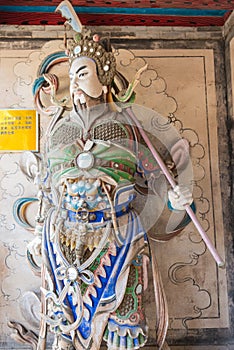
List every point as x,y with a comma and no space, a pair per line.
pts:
84,82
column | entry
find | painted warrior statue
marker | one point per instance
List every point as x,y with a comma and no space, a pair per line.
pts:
93,246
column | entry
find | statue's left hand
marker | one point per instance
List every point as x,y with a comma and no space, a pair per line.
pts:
179,197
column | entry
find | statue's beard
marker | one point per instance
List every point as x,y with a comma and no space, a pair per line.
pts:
83,101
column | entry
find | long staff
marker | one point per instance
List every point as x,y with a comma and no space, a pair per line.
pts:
173,184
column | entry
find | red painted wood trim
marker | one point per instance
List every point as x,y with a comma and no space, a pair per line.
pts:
190,4
25,18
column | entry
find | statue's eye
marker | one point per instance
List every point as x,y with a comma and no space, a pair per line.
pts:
82,75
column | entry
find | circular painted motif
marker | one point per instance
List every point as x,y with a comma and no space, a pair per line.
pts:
85,160
72,273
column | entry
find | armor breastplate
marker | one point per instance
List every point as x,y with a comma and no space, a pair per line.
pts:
67,132
109,142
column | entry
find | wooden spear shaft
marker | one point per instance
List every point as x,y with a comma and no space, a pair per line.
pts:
173,184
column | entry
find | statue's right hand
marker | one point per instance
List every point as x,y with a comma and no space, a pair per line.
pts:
34,246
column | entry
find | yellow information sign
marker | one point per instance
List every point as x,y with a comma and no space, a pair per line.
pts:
18,130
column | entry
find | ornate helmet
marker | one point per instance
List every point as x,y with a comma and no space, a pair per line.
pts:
84,43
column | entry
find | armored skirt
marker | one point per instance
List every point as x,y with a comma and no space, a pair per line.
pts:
95,291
